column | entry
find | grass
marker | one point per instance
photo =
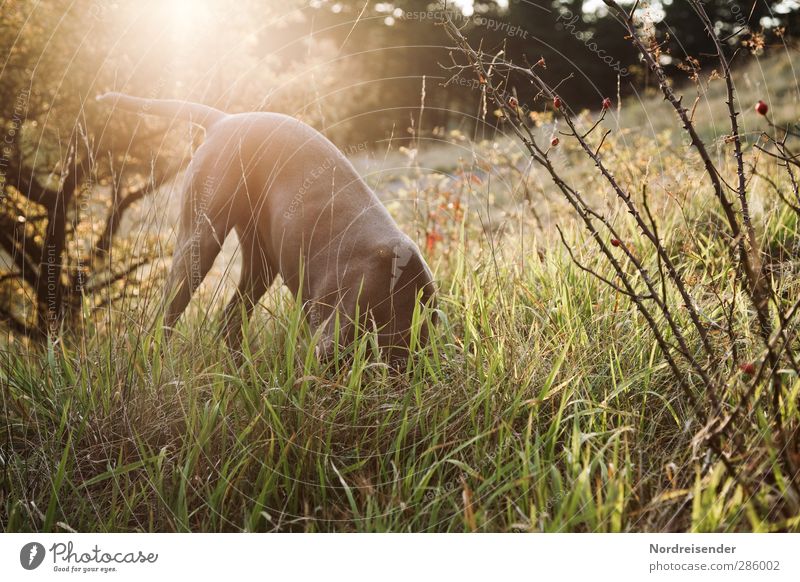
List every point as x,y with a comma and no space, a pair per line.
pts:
505,409
541,404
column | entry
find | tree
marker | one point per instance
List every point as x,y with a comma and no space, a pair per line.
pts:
69,170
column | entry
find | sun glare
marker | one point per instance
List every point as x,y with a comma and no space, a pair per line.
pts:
186,17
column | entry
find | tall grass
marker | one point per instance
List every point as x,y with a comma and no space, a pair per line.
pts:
541,404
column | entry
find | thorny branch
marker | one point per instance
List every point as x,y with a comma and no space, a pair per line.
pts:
777,342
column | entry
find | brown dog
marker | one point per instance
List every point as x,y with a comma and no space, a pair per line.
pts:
300,210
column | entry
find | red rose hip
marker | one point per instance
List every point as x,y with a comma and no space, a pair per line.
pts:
761,107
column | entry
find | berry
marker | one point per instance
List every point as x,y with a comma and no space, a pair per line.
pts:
749,368
761,108
512,102
615,242
431,239
554,141
557,102
606,103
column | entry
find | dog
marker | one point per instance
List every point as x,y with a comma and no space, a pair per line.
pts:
301,211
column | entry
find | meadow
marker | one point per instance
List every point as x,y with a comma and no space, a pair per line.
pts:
543,403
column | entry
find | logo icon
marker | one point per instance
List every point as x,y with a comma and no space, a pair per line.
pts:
31,555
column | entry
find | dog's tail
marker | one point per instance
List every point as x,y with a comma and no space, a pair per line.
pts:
185,110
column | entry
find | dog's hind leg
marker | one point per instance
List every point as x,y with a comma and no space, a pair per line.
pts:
256,277
202,231
190,264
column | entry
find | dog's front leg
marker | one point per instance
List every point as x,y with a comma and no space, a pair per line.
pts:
256,277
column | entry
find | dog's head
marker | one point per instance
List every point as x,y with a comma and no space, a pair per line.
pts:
402,287
394,287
